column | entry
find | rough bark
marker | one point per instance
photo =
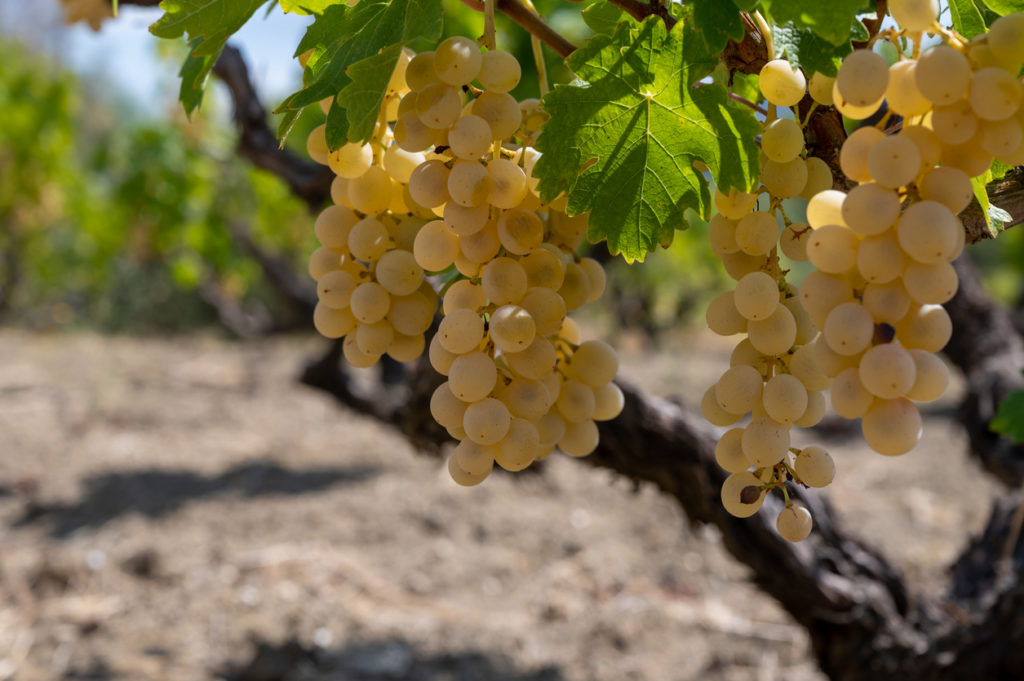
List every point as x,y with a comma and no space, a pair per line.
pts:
258,143
989,351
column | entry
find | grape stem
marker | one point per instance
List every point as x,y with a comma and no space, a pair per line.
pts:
746,102
542,68
518,12
489,42
766,32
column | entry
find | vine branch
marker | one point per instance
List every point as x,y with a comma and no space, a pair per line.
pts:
519,13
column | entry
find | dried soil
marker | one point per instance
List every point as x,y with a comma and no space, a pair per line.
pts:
184,510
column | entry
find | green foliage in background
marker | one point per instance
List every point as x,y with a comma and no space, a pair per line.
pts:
118,225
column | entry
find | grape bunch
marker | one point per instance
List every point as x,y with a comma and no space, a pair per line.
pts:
772,373
882,251
370,289
445,192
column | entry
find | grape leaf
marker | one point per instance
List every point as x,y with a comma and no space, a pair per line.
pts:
1004,7
342,36
999,169
365,94
809,51
717,21
622,139
967,20
308,6
195,71
209,24
335,127
603,17
1009,418
830,20
746,5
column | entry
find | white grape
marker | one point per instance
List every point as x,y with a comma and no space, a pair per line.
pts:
765,442
931,377
794,523
457,60
849,328
850,399
942,73
782,140
887,370
739,389
733,498
499,71
472,376
756,295
863,77
815,467
894,161
781,84
892,427
729,451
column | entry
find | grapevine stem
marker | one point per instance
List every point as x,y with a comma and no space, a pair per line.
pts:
766,33
542,68
918,38
747,102
517,12
489,41
807,118
538,54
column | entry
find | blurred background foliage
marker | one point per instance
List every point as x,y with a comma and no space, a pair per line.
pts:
119,220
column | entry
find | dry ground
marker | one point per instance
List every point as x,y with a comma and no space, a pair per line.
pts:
183,510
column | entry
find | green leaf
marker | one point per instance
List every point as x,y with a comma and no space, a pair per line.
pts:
999,169
365,94
717,21
336,126
343,36
209,24
807,50
987,14
981,194
603,17
967,20
831,20
212,21
194,74
308,6
998,217
1004,7
1009,418
746,5
622,140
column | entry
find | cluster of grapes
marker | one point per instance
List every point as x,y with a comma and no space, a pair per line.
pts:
446,192
883,250
772,372
370,289
92,12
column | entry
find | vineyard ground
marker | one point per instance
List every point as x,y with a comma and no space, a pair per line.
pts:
167,507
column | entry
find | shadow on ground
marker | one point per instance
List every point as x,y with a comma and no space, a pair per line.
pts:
387,660
154,493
